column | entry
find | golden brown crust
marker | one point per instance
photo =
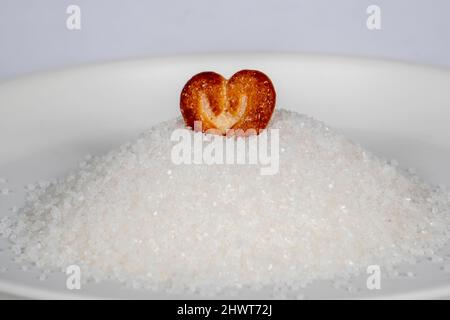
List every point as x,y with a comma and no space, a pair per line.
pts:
245,101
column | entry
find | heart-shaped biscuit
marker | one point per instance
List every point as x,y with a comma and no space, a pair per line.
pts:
245,101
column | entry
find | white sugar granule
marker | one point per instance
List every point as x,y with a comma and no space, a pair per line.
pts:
133,216
5,191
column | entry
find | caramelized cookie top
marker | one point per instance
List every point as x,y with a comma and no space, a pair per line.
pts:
244,102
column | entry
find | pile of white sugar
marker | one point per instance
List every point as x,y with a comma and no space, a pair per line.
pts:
132,215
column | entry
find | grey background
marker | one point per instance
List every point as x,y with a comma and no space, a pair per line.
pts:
34,37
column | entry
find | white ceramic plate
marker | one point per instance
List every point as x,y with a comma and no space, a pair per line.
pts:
49,121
